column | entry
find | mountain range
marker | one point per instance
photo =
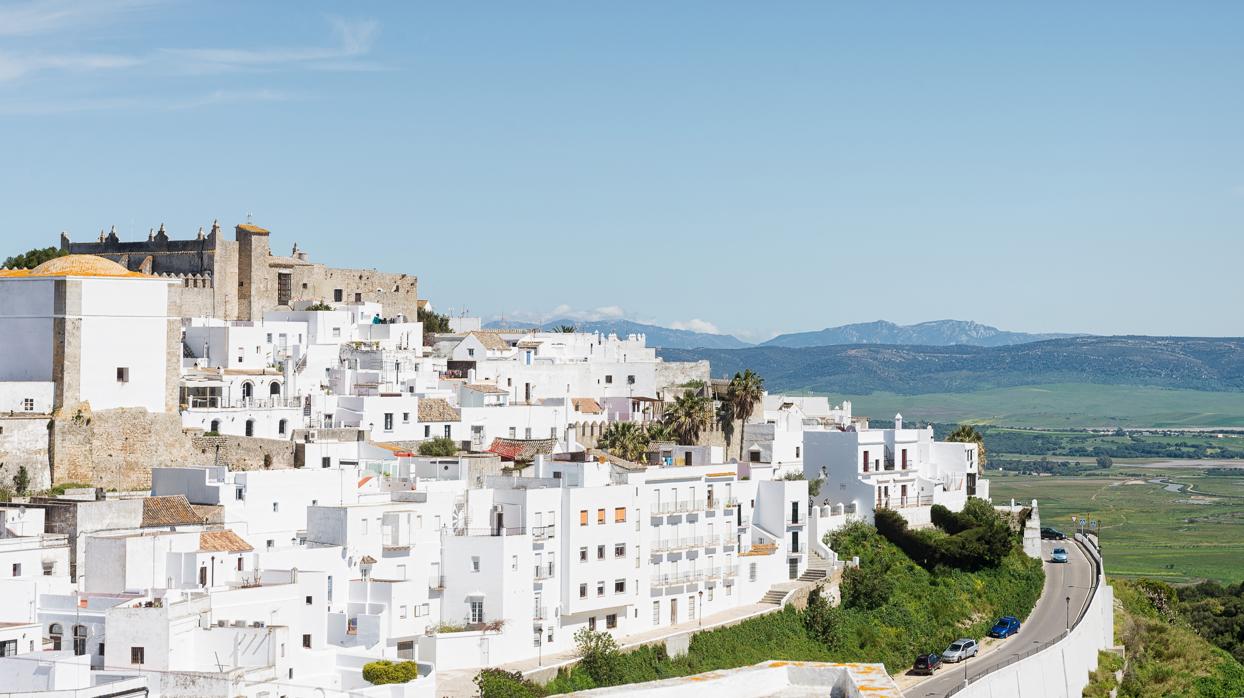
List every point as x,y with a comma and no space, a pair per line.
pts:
935,333
1215,364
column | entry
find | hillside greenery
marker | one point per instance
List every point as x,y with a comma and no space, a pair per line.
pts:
1166,657
1216,611
892,610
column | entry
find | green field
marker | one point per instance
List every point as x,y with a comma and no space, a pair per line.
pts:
1147,530
1062,405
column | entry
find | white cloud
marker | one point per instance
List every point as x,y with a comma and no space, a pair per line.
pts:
46,16
353,39
13,66
695,325
161,103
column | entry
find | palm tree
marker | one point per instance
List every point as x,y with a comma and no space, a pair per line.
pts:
626,440
565,329
725,420
746,389
968,434
659,431
690,414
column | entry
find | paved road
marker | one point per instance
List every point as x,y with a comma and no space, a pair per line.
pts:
1047,622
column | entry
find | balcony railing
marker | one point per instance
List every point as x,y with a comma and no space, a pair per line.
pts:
436,582
540,612
543,532
544,571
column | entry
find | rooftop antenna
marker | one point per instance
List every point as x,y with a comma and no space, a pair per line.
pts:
248,219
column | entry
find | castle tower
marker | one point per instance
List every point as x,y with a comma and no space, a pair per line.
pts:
256,288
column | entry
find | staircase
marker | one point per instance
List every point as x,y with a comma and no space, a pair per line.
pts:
774,596
818,568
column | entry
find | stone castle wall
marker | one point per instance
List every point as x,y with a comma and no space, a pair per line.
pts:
24,442
243,453
115,448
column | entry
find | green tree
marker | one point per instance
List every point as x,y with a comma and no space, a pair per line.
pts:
499,683
690,414
725,421
21,480
626,440
433,323
384,671
1104,461
33,258
746,389
865,590
968,434
599,656
659,431
821,619
564,329
441,446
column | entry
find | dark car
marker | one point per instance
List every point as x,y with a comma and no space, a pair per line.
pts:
1005,627
1052,533
927,664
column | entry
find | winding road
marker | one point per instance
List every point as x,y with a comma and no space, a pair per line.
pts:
1048,622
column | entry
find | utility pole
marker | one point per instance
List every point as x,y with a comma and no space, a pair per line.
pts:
1069,614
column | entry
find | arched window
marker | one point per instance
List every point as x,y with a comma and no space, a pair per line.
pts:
215,426
280,427
79,640
54,633
250,427
274,389
248,390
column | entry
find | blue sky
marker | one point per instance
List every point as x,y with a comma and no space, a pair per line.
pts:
1054,167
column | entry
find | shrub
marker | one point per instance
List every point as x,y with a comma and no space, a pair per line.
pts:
384,671
21,481
440,446
498,683
865,590
598,655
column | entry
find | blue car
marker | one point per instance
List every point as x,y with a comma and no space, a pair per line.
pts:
1059,555
1005,627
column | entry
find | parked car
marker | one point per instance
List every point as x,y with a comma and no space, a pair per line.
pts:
927,664
1059,555
1052,533
960,650
1005,627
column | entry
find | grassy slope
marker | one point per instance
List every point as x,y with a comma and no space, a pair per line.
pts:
1164,657
1063,405
1147,530
926,611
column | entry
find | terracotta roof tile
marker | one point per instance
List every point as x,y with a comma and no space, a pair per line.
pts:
488,388
250,228
225,541
433,409
522,449
587,405
172,510
491,340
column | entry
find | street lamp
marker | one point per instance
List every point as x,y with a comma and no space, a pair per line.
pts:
1068,614
701,608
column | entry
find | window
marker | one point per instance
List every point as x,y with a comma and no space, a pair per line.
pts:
388,421
611,620
797,451
475,563
710,593
582,554
583,591
600,553
600,588
583,517
79,640
619,586
477,610
619,549
358,297
338,294
630,380
751,572
137,655
308,600
600,516
513,562
49,568
447,431
17,569
591,623
28,404
276,506
336,333
123,374
280,427
513,432
306,640
656,612
282,292
270,544
326,461
101,649
8,648
690,608
470,352
427,431
619,515
609,380
401,612
405,418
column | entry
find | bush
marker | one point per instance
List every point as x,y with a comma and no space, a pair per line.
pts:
33,258
319,307
440,446
972,539
498,683
598,655
21,481
384,671
865,590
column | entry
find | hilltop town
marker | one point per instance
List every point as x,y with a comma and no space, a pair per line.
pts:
238,473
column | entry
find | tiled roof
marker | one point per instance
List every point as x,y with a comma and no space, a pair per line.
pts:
760,549
434,409
209,513
487,388
528,344
172,510
368,560
586,405
225,541
522,449
76,265
252,228
491,340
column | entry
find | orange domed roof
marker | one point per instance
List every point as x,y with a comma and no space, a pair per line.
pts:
76,265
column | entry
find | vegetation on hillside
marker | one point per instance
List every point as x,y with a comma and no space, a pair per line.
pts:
1165,656
892,610
33,258
1216,611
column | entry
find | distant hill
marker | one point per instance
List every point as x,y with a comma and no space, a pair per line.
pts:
936,333
859,369
656,336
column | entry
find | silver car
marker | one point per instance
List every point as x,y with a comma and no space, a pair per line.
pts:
960,650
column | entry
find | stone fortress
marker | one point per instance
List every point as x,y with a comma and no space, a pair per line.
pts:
239,279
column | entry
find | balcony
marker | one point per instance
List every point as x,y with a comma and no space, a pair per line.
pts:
544,571
543,532
436,582
540,612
